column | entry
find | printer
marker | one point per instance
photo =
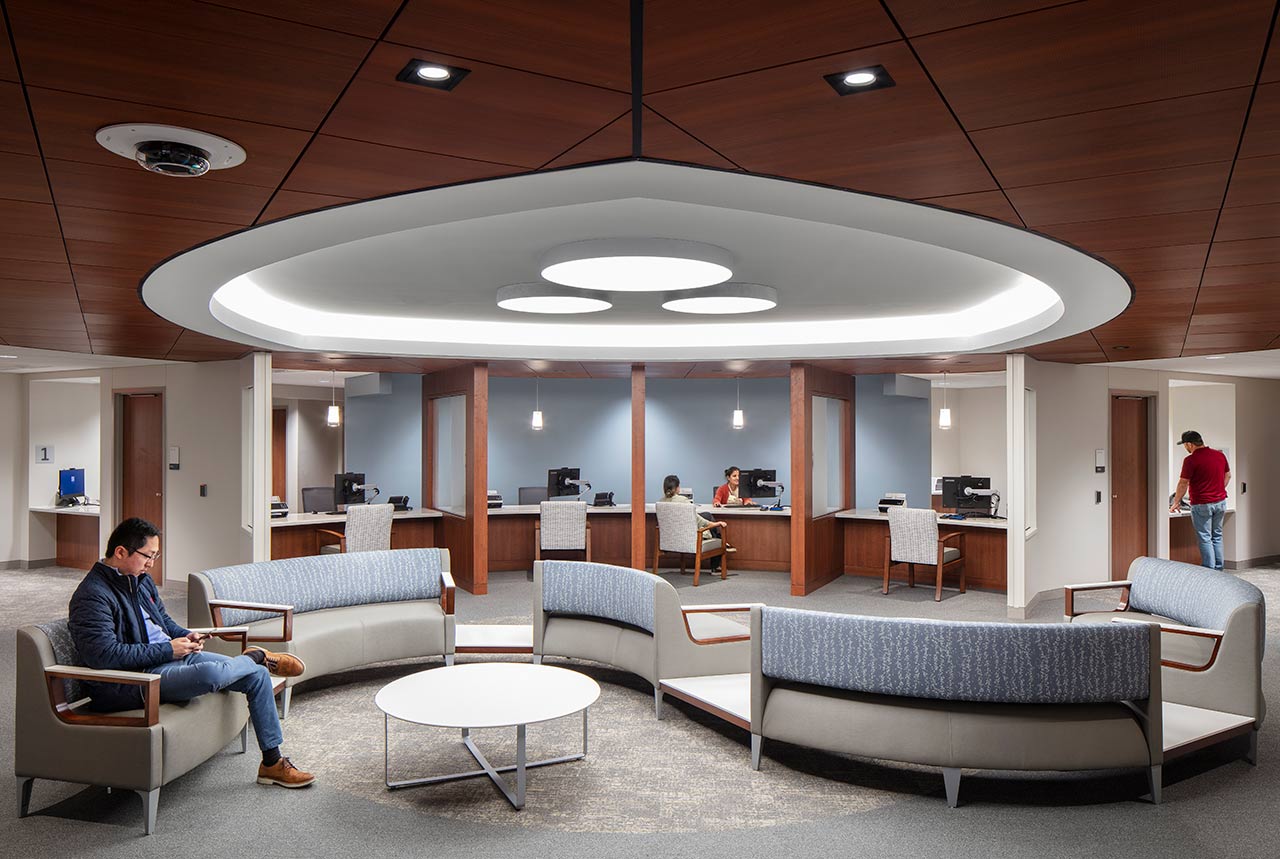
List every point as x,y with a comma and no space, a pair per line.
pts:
892,499
495,498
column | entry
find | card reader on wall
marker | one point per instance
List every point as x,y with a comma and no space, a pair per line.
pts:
495,498
893,499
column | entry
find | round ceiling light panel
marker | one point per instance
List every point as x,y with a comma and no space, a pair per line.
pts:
637,265
551,298
127,138
722,299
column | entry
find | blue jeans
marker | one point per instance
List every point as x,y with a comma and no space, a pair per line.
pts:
199,673
1206,519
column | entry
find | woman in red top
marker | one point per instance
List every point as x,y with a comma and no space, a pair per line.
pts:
727,495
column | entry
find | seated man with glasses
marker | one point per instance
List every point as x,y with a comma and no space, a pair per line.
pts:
119,622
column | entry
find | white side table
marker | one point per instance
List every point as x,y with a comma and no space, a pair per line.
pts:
486,695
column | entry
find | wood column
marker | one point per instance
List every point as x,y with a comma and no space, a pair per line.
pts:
638,524
801,465
466,536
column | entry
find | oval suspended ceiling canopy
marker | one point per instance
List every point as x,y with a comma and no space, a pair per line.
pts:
419,273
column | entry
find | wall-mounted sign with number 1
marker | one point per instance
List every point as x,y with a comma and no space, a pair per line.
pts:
44,453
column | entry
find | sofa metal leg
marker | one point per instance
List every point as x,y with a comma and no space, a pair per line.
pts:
537,659
951,780
448,659
1155,781
24,794
244,738
657,702
285,697
150,802
756,742
1251,756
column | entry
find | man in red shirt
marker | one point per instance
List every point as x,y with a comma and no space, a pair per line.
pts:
1206,473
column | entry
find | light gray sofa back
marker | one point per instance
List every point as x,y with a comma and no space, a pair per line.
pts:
599,590
329,581
1191,595
957,661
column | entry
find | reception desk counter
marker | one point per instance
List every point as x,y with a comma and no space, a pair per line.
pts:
1183,545
298,534
984,546
511,536
75,533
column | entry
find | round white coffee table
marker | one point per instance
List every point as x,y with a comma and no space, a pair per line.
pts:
486,695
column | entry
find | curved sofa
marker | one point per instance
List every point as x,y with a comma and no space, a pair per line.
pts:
1213,633
632,620
953,694
337,612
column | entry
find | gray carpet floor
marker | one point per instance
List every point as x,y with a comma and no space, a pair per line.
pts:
677,787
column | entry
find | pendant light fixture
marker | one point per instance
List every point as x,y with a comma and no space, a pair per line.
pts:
944,413
334,416
537,410
738,421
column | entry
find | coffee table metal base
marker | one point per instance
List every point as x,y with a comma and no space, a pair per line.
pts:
516,797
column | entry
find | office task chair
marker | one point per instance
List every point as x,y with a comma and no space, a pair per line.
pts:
531,494
368,530
561,527
913,539
680,531
318,499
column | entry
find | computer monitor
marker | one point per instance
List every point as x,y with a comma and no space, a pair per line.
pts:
751,478
954,496
558,482
531,494
344,488
318,499
71,482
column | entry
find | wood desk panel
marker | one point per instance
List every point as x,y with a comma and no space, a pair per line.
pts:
511,538
1183,545
302,541
77,542
763,543
985,552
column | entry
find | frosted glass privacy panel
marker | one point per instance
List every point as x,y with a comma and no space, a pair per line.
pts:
449,454
827,483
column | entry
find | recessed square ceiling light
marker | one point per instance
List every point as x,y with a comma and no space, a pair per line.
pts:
859,80
432,74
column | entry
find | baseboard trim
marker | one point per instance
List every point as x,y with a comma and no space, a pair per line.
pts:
38,562
15,564
1023,612
1252,562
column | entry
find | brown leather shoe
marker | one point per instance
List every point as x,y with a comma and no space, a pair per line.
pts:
284,773
281,664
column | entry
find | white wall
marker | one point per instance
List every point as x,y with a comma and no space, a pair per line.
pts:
13,474
1209,409
319,449
1255,463
945,444
975,444
65,415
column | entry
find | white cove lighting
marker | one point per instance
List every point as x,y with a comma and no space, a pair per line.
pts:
637,265
549,298
724,298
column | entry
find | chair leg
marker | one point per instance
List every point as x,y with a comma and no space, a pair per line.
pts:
756,742
537,659
150,802
657,702
697,568
962,575
684,560
937,588
1155,781
951,780
1251,756
588,544
448,659
24,795
887,564
911,575
244,739
285,697
724,566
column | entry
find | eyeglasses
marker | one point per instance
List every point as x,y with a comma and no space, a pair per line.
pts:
154,556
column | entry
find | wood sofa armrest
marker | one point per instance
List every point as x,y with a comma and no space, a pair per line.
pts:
285,611
685,611
1194,631
721,607
65,710
447,588
228,633
1069,595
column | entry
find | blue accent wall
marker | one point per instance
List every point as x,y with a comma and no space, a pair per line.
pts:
688,433
587,424
893,444
383,438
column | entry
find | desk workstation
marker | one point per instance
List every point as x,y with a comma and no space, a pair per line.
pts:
75,533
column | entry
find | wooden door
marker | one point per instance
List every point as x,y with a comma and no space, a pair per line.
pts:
1130,487
142,463
279,418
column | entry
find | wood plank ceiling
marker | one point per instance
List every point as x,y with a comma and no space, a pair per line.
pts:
1144,131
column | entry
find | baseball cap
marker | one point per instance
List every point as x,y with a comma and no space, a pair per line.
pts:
1191,437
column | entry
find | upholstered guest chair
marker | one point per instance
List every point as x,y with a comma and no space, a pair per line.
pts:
680,532
368,530
913,538
561,527
58,737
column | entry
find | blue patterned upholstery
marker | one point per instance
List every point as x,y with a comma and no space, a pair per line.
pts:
64,652
1191,595
599,590
1016,663
328,581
